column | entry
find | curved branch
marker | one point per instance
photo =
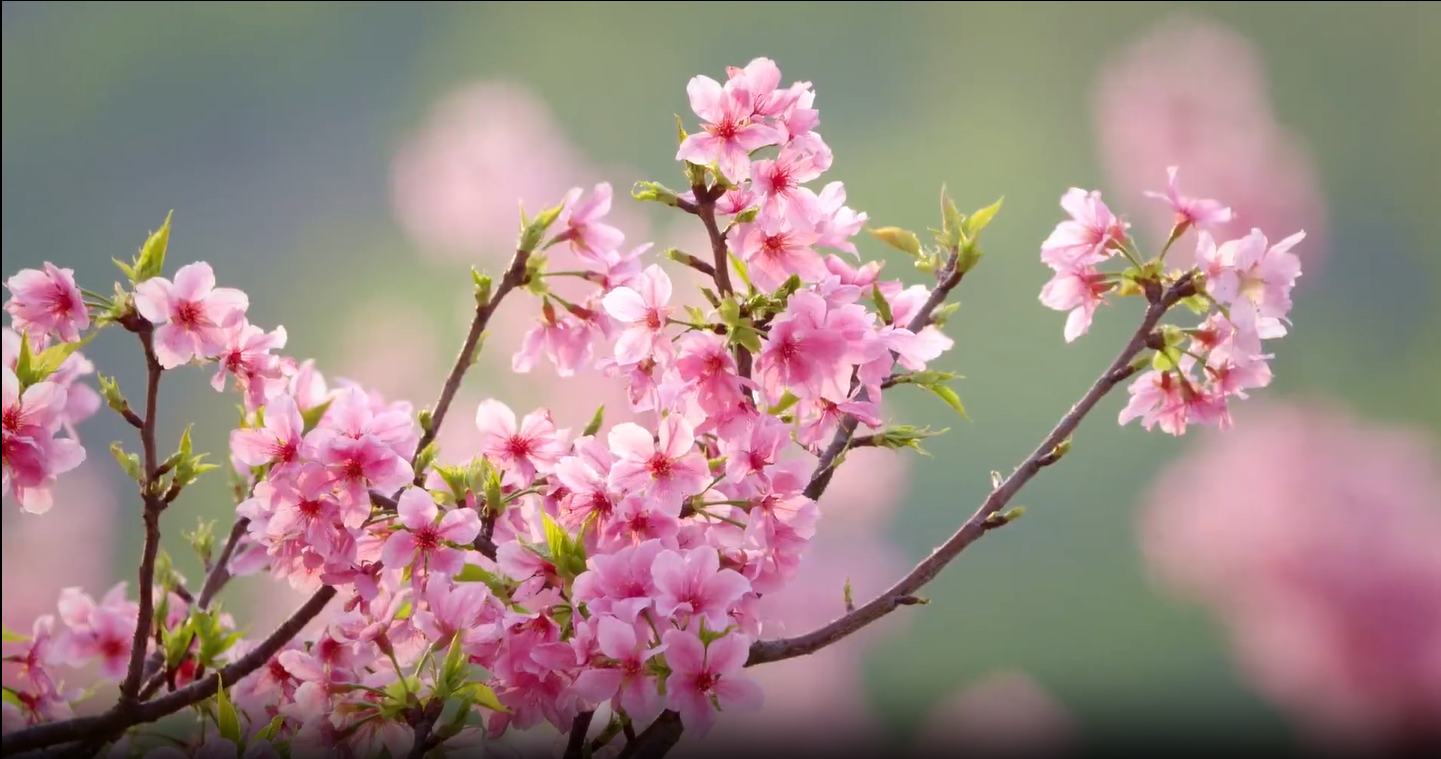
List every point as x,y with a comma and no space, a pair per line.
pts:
154,504
514,277
220,573
1119,370
119,718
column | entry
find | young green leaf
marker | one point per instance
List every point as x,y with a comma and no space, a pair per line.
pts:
900,239
226,718
151,260
595,422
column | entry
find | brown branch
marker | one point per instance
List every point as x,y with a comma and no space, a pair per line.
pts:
154,505
220,573
655,741
119,719
422,721
575,745
950,277
514,277
705,209
1119,370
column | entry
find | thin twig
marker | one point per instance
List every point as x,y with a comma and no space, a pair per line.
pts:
514,277
950,278
1119,370
220,573
117,720
140,640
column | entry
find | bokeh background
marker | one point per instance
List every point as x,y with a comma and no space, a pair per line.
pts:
347,163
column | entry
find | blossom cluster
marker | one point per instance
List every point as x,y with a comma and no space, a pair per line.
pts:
548,574
1244,291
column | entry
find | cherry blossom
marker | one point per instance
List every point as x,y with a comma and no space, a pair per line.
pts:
191,313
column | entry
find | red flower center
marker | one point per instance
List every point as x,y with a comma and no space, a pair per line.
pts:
659,466
189,314
518,447
427,539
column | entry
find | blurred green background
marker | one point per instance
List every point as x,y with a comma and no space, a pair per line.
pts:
269,128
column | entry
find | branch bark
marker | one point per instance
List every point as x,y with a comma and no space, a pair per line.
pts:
657,740
154,505
119,719
220,573
1119,370
514,277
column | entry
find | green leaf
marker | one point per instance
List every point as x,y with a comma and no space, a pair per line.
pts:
566,552
151,260
747,336
312,416
905,436
483,286
883,307
978,221
787,400
742,270
535,231
126,269
186,450
900,239
1198,303
129,462
952,223
730,312
177,643
595,422
110,391
226,718
10,636
482,695
1162,361
494,502
32,368
272,729
949,396
474,573
426,457
655,192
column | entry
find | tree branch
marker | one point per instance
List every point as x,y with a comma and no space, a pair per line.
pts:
705,209
220,573
514,277
154,505
1119,370
118,719
655,741
950,277
575,745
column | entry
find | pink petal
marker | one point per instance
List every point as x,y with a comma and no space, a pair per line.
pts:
152,299
460,526
705,96
193,282
625,304
597,685
417,509
399,550
629,440
728,654
684,653
173,346
616,638
740,693
495,418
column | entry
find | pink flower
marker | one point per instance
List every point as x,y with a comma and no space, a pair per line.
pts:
671,469
246,354
104,631
589,237
191,313
1191,212
277,443
634,689
355,466
533,447
700,673
33,456
778,183
1246,269
46,301
728,135
1079,290
1087,237
644,308
693,584
620,583
426,543
761,78
774,248
1002,714
837,222
801,354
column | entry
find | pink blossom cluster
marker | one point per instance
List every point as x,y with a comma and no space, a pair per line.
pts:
1244,291
45,305
1317,553
546,576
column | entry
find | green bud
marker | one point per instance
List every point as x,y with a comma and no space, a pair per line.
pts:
151,260
898,238
655,192
482,288
129,462
595,422
110,391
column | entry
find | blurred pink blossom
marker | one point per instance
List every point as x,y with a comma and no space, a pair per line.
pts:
459,182
395,355
1314,536
1005,713
34,571
1193,93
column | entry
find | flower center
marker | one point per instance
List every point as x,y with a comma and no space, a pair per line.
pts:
12,418
653,320
354,470
189,314
427,539
659,466
112,648
706,682
517,446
